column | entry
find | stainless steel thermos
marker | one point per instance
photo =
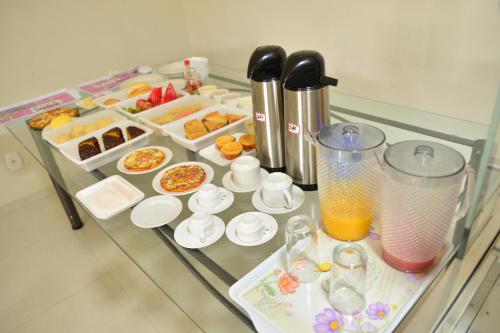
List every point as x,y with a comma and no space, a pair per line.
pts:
264,70
306,104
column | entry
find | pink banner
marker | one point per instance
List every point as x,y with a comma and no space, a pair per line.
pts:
34,106
108,83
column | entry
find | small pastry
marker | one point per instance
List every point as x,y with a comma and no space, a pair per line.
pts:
232,150
60,120
111,101
62,138
231,118
194,129
214,120
77,130
89,128
247,141
103,122
222,140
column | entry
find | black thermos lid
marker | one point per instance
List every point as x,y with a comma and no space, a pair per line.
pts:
305,70
266,63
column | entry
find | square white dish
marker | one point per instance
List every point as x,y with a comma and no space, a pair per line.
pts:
50,135
214,155
109,197
130,103
176,128
70,149
147,116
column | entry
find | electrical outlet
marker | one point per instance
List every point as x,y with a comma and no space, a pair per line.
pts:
14,161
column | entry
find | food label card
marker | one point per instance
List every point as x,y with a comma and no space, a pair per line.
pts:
107,83
260,116
294,128
14,112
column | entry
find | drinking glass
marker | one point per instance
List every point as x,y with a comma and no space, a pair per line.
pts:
302,248
348,279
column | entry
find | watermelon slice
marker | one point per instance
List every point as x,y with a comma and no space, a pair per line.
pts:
155,96
169,95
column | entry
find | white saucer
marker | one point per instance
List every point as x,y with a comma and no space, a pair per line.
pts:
298,199
268,221
227,181
208,178
168,156
225,203
184,239
156,211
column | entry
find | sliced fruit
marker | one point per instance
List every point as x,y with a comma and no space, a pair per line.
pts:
155,96
169,95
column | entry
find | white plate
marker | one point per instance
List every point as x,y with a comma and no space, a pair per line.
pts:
267,220
226,202
109,197
168,156
298,199
184,239
214,155
151,79
227,181
209,176
156,211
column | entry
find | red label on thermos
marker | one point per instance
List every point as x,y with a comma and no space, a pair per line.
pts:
260,116
294,128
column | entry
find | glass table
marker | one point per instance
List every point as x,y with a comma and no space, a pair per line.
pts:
187,276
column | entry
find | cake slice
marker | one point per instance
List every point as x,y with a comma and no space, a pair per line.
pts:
214,120
88,148
133,132
112,138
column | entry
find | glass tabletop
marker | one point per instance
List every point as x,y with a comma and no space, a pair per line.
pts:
176,270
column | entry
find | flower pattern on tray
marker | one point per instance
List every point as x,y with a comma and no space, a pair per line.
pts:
304,307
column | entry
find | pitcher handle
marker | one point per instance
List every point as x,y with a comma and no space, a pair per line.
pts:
469,187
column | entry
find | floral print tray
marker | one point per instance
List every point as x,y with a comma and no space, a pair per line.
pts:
277,303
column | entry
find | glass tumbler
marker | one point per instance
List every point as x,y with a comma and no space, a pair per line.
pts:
302,249
348,279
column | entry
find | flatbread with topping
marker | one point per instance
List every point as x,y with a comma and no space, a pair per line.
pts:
183,178
144,159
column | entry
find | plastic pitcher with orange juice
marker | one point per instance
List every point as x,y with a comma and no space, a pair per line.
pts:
349,178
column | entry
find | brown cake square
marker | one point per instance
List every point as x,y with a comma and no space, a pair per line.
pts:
88,148
134,132
112,138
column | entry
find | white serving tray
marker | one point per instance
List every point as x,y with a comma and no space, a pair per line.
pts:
70,149
131,103
49,134
109,197
214,155
147,116
273,309
126,102
176,128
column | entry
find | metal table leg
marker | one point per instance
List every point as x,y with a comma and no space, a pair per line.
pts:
55,174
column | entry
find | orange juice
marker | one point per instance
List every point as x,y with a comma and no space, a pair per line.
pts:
347,221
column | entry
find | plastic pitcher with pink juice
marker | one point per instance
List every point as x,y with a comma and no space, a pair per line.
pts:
419,200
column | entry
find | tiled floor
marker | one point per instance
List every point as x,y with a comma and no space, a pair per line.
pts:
53,279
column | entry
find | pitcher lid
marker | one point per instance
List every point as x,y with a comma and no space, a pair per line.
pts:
351,137
424,159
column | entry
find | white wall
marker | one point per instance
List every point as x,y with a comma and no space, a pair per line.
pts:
50,44
440,56
47,45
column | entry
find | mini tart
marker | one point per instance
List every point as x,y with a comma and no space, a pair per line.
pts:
248,141
232,150
223,139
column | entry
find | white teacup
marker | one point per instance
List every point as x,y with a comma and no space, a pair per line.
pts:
245,171
210,196
201,226
277,190
249,228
